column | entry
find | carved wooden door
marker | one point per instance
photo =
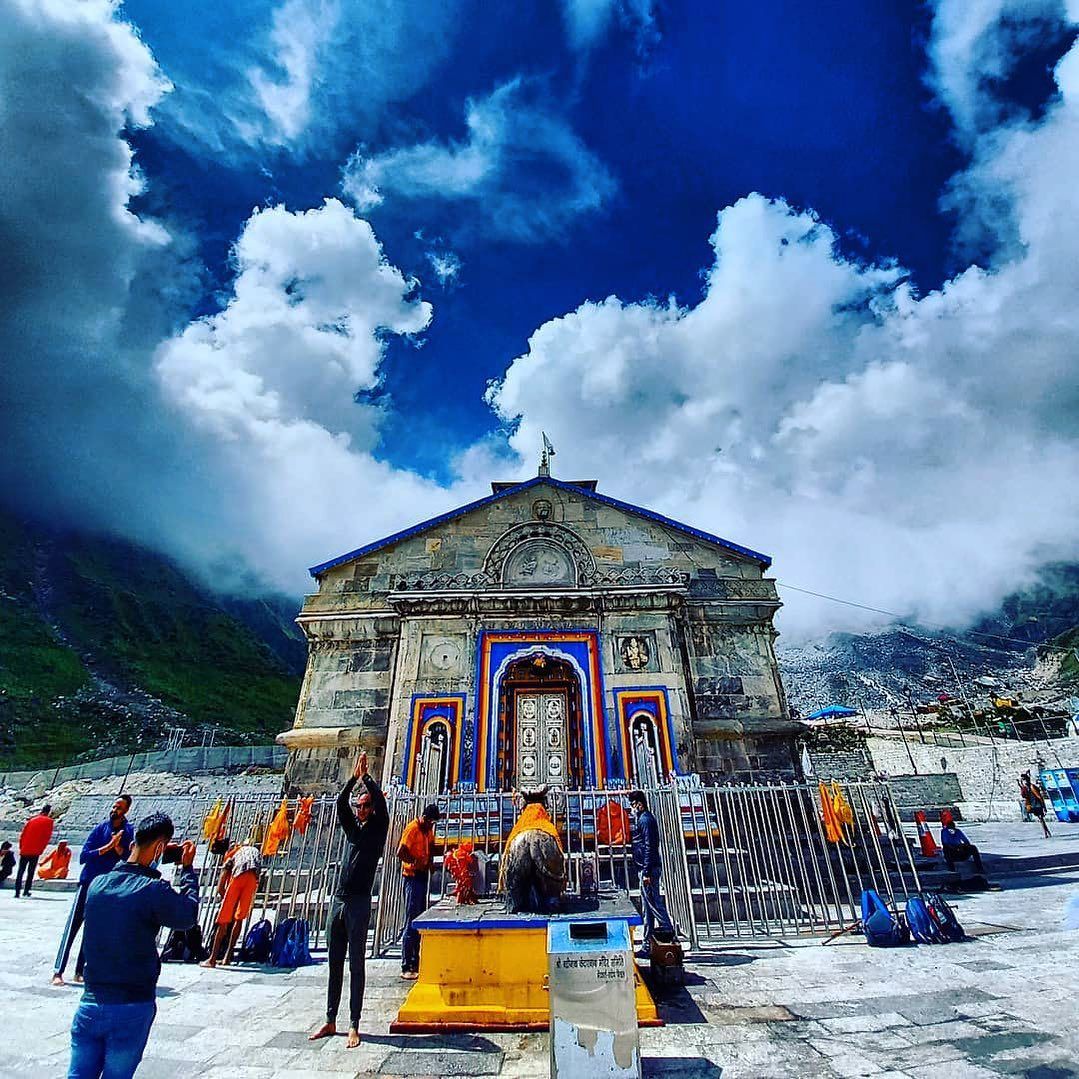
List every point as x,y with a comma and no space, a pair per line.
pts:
541,739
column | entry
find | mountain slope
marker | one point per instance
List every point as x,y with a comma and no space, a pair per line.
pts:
104,645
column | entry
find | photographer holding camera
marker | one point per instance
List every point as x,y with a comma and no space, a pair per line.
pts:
125,910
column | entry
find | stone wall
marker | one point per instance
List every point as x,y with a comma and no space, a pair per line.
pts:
987,774
404,620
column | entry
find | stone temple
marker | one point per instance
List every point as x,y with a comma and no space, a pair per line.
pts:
544,634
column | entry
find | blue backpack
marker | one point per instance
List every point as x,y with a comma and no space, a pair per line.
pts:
922,924
290,946
256,945
882,928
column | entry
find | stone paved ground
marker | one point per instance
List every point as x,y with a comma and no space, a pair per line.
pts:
1006,1003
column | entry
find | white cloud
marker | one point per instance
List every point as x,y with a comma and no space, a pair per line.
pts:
270,379
445,264
301,31
526,174
301,75
913,453
587,21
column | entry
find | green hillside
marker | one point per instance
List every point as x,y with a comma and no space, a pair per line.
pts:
104,645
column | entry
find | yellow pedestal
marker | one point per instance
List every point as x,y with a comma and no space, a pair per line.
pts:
488,979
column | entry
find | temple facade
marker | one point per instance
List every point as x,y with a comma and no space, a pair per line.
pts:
543,634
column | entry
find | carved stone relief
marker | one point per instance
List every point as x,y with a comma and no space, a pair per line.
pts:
636,652
538,563
442,655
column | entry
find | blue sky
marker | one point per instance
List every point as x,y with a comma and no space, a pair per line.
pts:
827,107
287,275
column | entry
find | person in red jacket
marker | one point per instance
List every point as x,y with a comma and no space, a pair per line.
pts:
32,843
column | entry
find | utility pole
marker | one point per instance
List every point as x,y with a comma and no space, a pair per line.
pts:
903,734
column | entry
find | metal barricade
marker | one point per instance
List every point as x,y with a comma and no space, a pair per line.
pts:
739,861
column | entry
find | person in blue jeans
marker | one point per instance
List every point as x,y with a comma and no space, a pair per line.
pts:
416,854
646,858
125,910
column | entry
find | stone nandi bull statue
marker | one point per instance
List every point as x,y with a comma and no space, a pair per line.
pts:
533,874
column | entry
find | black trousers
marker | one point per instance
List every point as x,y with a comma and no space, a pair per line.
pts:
350,918
27,862
960,852
74,924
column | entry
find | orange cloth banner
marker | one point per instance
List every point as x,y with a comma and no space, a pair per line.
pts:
303,815
277,832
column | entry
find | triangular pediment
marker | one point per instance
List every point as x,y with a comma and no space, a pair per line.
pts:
530,492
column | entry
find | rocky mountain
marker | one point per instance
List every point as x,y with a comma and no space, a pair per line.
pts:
105,645
1027,646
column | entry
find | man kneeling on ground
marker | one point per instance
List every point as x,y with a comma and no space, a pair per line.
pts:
125,910
956,846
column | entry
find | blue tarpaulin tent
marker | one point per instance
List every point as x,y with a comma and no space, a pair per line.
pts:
833,711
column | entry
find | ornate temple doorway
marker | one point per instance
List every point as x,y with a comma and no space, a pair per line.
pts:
540,724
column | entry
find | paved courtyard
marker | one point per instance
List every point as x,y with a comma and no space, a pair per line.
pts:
1005,1003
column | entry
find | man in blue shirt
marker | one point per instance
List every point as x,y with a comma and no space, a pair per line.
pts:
109,843
646,858
125,910
955,845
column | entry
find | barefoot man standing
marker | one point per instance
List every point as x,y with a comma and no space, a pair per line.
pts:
350,912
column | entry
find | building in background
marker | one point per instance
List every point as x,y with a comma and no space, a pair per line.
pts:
543,634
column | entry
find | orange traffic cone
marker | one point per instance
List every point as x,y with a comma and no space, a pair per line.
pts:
925,836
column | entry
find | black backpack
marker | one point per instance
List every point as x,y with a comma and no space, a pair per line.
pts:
184,946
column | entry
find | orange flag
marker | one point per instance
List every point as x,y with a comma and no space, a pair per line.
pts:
277,832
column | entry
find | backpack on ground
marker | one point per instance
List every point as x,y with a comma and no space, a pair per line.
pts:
922,924
184,946
294,950
944,917
882,928
280,939
257,943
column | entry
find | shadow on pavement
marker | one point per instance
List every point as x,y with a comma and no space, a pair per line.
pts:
680,1068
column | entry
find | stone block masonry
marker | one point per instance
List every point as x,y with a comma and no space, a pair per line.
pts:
987,774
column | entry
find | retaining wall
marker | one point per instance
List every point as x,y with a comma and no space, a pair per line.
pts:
193,761
987,774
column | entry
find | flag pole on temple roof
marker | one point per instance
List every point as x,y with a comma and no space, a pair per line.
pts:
545,456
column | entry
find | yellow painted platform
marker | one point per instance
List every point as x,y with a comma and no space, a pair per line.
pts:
488,975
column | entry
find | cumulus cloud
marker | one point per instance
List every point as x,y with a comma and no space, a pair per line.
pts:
445,264
231,442
88,285
914,453
523,171
270,379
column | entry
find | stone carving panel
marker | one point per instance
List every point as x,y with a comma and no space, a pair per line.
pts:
442,655
539,564
636,652
512,552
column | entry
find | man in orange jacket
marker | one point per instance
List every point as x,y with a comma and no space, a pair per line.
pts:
32,843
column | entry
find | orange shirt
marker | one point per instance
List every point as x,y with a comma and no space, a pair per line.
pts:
419,844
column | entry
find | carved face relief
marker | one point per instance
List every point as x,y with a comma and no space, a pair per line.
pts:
540,564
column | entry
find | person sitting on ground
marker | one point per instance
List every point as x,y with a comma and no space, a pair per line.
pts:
7,861
956,846
34,839
365,828
237,887
125,910
55,864
416,853
1034,801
